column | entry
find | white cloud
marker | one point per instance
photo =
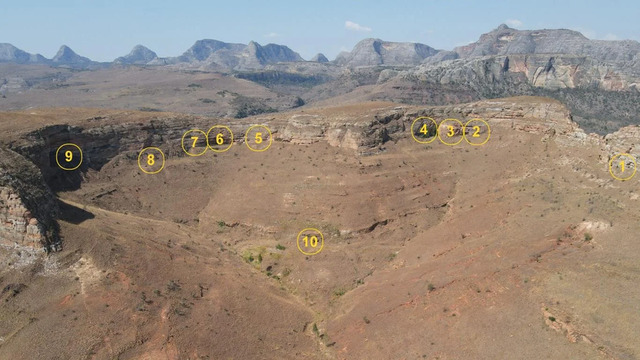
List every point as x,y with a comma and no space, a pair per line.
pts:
513,22
350,25
610,36
271,35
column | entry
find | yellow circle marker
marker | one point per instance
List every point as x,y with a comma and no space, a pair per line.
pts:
219,138
197,136
310,241
423,129
475,132
258,138
450,132
151,160
621,166
69,157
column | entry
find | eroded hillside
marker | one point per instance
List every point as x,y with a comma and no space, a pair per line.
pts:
523,247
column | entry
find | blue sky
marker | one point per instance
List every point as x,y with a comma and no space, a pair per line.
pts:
106,29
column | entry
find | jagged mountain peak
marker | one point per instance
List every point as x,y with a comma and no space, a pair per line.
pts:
10,53
67,56
139,55
319,57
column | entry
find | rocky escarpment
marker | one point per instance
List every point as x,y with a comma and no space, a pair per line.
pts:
508,41
625,140
357,128
537,70
100,140
28,209
368,132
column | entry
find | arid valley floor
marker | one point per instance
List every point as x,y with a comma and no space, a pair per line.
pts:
431,251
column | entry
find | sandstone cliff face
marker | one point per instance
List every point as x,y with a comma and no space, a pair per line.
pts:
538,70
368,133
625,140
549,59
28,209
100,142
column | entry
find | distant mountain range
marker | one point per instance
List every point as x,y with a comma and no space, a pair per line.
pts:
217,55
207,53
549,58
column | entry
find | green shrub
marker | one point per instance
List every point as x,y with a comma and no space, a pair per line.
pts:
339,292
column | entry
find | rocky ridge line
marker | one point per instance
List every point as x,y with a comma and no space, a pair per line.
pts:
365,133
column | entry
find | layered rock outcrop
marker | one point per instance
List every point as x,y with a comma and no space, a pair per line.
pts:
507,41
504,72
625,140
550,59
28,208
366,132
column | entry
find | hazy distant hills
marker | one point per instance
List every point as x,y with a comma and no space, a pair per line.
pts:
66,56
10,53
319,57
597,79
371,52
139,55
507,41
206,53
209,54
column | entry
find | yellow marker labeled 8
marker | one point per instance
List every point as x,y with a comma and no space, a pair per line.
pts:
151,160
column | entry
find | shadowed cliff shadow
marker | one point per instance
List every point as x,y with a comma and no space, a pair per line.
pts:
73,214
